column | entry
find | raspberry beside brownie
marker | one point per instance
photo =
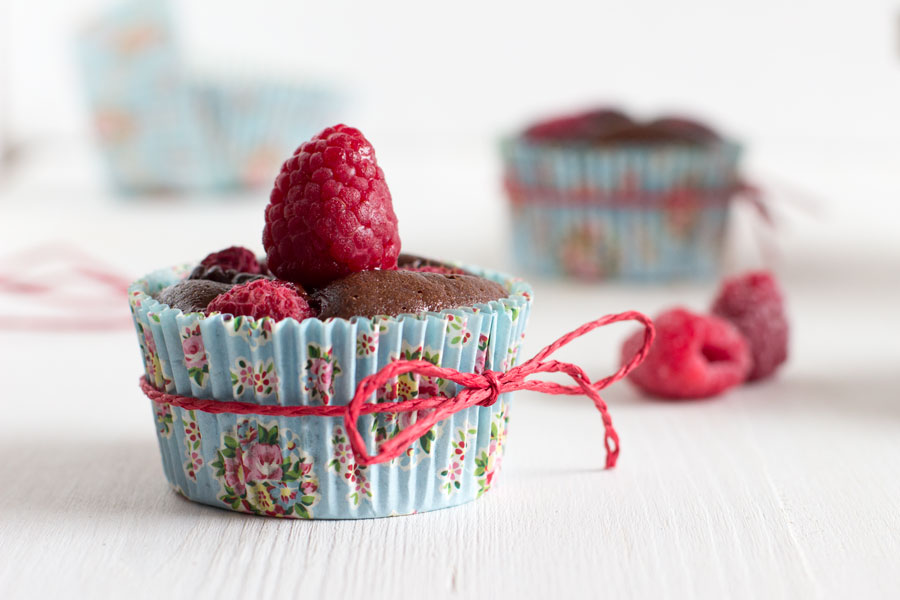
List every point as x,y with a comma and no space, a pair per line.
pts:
332,248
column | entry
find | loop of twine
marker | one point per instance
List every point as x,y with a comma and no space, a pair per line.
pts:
478,389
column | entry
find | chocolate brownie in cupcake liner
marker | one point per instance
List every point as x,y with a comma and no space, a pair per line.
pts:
637,212
304,466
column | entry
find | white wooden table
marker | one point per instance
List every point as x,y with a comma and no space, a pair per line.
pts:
786,489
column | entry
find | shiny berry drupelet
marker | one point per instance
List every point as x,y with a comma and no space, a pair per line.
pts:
234,258
330,212
754,303
263,298
693,356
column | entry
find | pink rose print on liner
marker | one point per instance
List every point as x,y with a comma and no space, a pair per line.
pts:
365,343
406,387
192,346
153,368
263,463
321,371
481,353
456,330
428,387
195,360
452,475
682,212
234,472
587,251
388,425
192,443
149,342
194,354
487,462
260,496
256,333
262,470
164,419
285,493
344,464
155,372
261,380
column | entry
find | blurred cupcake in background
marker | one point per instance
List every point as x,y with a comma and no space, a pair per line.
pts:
599,195
162,127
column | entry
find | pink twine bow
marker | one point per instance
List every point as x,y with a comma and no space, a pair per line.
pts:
479,390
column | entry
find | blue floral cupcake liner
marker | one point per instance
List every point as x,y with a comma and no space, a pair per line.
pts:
650,213
160,126
304,466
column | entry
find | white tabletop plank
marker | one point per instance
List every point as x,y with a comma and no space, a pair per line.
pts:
782,489
785,489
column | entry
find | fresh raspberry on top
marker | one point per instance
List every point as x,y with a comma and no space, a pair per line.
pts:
263,298
693,356
235,258
754,304
330,213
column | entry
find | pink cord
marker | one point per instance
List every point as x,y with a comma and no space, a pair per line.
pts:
43,274
480,390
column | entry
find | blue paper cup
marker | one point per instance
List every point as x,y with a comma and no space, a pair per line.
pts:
304,466
648,213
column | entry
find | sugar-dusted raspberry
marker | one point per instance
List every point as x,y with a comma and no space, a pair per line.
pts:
330,212
754,304
693,356
263,298
235,258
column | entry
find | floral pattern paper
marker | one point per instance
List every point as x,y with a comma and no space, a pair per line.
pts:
304,467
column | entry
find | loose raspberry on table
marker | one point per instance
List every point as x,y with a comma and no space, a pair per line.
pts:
693,356
235,258
330,212
263,298
754,303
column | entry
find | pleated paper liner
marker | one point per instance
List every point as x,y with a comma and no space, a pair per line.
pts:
645,213
303,466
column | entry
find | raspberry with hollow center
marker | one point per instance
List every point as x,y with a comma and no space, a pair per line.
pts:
754,304
263,298
235,258
330,212
693,356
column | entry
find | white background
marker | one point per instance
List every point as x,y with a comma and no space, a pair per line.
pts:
786,489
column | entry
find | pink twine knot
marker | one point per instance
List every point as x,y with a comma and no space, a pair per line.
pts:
481,389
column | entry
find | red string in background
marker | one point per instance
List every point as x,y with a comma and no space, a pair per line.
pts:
76,291
479,390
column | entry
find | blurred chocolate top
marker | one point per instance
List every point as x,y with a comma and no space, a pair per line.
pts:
371,293
217,273
192,295
608,127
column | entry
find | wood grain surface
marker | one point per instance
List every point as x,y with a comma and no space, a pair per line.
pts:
786,489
